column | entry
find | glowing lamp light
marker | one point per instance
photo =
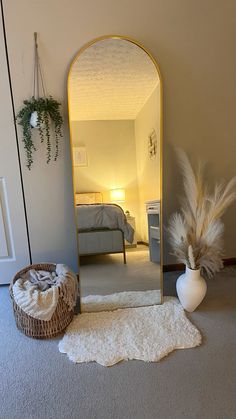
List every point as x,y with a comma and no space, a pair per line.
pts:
117,195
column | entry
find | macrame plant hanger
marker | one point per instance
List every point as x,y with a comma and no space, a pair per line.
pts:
35,119
40,112
38,75
38,87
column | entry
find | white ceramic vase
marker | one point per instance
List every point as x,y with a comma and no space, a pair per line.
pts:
191,289
34,119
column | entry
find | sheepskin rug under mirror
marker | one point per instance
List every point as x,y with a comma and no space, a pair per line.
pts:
124,299
143,333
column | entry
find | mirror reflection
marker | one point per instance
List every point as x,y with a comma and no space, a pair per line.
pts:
114,110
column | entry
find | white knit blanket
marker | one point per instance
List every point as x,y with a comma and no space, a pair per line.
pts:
28,294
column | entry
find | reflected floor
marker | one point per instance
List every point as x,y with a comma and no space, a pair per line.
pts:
107,274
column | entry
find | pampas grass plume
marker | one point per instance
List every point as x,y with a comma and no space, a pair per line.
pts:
196,232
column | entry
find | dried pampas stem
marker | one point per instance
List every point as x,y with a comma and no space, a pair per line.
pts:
191,257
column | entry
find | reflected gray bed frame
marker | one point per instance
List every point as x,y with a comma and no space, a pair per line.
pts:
101,242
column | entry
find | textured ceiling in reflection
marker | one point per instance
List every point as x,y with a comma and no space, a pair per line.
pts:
111,80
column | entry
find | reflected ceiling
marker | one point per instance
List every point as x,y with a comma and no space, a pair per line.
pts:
116,78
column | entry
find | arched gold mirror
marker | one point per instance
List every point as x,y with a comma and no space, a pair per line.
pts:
115,115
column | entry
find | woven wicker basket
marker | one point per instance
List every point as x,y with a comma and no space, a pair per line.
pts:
41,329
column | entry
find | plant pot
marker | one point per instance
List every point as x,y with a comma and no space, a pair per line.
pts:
34,119
191,288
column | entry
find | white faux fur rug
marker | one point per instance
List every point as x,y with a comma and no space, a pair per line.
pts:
124,299
144,333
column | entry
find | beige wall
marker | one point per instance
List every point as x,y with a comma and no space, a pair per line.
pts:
194,44
148,170
111,152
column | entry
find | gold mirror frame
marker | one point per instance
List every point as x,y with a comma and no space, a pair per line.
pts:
133,41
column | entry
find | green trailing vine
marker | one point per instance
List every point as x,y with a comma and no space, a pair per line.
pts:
47,115
48,118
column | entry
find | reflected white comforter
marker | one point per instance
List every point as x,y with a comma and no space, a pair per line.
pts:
98,216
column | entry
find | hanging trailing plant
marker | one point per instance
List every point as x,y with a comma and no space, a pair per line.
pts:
42,113
48,110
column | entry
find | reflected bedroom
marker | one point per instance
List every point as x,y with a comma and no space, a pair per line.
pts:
114,95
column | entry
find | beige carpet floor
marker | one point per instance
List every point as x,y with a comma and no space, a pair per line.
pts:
38,382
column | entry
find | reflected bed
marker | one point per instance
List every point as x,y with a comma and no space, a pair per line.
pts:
102,228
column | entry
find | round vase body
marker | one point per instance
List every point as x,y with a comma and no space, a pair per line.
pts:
191,289
34,119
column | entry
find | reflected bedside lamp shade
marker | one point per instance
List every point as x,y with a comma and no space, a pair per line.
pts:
117,195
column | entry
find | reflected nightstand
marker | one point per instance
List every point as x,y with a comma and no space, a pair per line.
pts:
131,221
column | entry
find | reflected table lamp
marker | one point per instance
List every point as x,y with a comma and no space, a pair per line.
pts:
117,195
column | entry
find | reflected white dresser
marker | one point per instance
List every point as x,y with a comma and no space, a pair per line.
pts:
153,218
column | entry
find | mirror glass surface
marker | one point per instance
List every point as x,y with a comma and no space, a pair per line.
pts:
114,95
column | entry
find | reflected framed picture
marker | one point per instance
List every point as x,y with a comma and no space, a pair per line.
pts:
80,156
